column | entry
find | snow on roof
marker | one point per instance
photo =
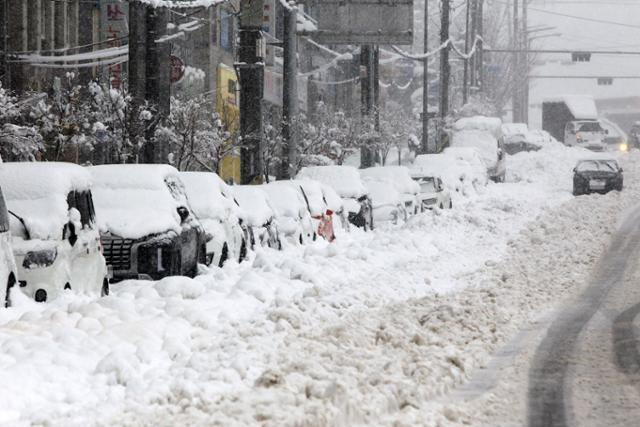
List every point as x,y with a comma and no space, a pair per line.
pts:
345,180
492,125
398,176
134,201
37,192
205,195
255,203
482,141
286,199
583,107
510,129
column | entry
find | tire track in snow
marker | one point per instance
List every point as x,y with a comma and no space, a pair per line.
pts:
548,371
625,343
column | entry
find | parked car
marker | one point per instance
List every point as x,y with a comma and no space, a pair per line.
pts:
8,270
336,205
292,213
218,214
489,148
387,202
147,228
432,194
54,234
461,169
597,176
259,214
400,178
346,181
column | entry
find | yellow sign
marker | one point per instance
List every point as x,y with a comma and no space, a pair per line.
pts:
229,112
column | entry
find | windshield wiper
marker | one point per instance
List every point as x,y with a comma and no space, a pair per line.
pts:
26,230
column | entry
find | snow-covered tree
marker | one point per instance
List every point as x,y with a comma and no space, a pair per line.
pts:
18,140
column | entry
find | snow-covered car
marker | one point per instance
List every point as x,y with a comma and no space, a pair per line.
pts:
335,205
400,178
597,176
314,197
461,169
346,182
147,228
8,270
387,203
433,193
218,215
491,125
55,239
259,215
292,214
588,134
489,148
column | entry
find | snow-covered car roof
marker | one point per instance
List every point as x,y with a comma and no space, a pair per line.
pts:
455,166
37,192
398,176
334,201
484,142
597,164
204,191
285,199
493,125
345,180
383,194
255,204
509,129
134,201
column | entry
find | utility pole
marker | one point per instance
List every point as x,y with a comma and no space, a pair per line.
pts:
525,63
480,46
445,69
515,100
16,42
425,84
467,37
368,99
250,69
289,94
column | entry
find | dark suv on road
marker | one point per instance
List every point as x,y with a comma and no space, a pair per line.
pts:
147,228
597,176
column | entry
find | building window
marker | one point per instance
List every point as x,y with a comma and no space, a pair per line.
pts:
226,30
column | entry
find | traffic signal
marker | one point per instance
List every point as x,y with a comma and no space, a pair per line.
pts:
581,56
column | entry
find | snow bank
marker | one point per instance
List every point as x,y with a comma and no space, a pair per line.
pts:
398,176
345,180
134,201
38,191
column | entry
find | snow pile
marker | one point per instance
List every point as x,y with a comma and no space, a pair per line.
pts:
345,180
37,192
134,201
483,141
510,129
398,176
254,203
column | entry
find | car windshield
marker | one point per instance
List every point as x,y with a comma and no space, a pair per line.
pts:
597,166
83,202
4,215
590,127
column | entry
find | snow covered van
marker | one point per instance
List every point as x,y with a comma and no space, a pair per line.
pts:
147,228
218,215
8,272
53,225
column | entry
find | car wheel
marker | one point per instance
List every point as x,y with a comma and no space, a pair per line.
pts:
243,251
11,281
224,255
441,206
279,244
450,204
105,287
300,239
202,255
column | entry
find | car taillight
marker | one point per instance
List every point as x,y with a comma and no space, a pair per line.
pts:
579,137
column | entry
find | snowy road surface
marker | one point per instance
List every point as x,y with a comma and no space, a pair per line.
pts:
382,328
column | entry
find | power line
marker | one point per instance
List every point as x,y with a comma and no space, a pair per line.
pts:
563,51
583,18
582,77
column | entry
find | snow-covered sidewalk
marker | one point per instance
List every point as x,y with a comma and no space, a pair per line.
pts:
365,330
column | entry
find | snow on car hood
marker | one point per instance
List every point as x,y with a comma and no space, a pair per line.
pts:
383,194
255,204
312,191
334,202
345,180
205,195
286,199
134,201
37,192
398,176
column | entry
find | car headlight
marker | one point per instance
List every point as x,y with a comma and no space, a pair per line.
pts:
40,259
623,147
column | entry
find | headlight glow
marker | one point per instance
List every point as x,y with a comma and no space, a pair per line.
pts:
623,147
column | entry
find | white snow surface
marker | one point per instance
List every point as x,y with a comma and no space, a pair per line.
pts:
255,204
205,195
134,201
345,180
366,330
583,107
493,125
37,192
482,141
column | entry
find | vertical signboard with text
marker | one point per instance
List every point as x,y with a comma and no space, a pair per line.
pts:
114,30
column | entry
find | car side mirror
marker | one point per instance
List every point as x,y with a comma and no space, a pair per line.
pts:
183,212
